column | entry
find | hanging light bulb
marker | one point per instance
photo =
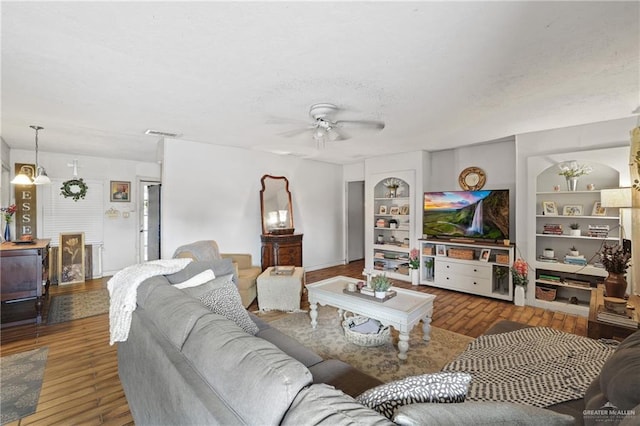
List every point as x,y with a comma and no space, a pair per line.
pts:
41,177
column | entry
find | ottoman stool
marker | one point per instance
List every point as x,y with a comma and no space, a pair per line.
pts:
280,292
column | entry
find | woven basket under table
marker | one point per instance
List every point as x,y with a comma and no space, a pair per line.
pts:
362,339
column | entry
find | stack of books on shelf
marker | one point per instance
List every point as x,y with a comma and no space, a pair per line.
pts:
543,258
599,231
575,260
549,278
552,228
630,319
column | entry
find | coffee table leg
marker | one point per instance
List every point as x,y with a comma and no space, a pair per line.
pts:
313,313
426,328
403,345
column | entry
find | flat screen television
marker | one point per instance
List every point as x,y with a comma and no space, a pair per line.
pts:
467,214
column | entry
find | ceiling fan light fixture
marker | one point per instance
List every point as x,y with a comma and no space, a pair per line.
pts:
41,177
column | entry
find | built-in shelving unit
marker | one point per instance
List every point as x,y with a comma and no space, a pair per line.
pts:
569,276
392,227
471,267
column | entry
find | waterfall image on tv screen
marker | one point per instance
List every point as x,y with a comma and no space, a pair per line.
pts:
469,214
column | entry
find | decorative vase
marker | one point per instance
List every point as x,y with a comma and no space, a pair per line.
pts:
518,295
7,232
615,285
572,183
415,277
381,294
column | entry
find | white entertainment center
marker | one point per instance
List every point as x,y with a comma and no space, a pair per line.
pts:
480,268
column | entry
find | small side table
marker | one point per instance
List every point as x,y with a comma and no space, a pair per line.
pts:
598,329
280,292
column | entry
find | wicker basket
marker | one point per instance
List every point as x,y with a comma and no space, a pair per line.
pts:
503,259
427,251
362,339
457,253
545,293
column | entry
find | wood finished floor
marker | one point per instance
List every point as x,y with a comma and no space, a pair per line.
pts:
81,384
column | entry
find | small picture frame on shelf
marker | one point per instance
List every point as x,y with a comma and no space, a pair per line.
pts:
549,208
404,209
395,210
382,209
441,250
572,210
598,210
484,255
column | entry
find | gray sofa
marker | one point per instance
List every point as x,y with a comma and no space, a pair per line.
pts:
183,364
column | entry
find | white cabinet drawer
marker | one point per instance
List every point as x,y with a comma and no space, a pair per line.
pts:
464,283
474,270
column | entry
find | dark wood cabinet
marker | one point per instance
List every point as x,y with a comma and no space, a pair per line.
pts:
283,250
24,276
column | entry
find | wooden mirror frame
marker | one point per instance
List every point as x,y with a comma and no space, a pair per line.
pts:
287,226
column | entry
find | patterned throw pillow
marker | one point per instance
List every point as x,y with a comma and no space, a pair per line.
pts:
225,300
437,387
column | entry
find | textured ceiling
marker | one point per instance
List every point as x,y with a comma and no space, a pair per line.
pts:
96,75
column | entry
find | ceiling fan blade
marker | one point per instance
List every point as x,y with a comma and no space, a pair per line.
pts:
379,125
296,132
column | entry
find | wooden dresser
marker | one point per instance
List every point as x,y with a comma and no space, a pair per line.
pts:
23,276
281,250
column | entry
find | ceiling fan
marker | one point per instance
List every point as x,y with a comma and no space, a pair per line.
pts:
325,126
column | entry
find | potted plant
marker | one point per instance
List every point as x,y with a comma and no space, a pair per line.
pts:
573,251
414,265
500,274
574,229
615,261
381,283
429,264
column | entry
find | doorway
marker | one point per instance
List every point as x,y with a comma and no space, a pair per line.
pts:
355,221
150,232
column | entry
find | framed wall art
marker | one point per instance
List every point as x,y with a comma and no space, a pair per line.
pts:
549,208
71,258
572,210
120,191
598,210
484,255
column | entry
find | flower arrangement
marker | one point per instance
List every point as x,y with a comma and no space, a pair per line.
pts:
392,183
519,271
414,259
614,258
573,169
8,212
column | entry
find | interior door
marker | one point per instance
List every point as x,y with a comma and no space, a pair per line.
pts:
355,221
153,222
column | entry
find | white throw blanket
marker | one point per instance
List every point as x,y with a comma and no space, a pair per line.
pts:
123,291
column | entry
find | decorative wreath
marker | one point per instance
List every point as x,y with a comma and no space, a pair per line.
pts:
74,188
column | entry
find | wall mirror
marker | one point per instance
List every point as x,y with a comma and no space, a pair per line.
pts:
275,205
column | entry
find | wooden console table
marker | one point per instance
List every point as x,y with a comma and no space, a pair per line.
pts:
598,329
281,250
23,276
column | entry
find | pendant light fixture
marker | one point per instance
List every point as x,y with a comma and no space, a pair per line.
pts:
41,177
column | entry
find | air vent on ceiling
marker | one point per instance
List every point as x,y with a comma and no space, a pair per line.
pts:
160,133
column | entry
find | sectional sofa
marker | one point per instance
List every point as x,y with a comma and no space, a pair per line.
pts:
184,364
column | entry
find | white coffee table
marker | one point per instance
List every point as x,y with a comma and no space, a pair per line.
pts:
402,312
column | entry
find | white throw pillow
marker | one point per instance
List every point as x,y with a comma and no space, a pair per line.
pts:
197,280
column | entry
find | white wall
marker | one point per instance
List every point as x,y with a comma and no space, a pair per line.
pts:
213,192
120,244
495,159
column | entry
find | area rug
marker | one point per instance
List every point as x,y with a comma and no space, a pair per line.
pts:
382,362
20,383
67,307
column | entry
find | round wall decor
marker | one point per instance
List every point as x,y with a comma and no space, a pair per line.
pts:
74,188
472,179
